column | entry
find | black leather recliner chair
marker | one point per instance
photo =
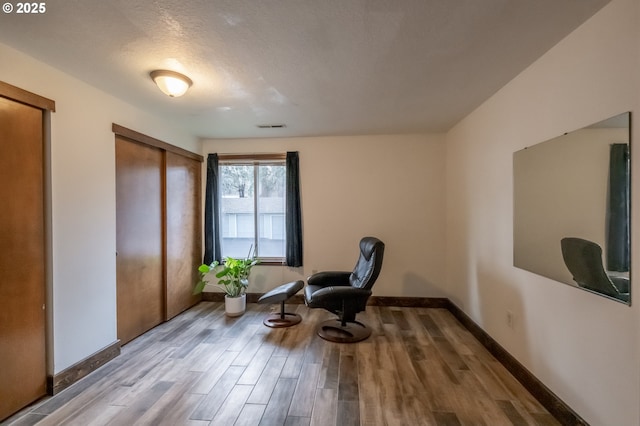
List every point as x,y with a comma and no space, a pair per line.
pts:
346,293
583,259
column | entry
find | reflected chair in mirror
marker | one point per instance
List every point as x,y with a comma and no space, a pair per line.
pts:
346,293
583,258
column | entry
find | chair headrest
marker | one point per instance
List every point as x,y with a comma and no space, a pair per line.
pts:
368,245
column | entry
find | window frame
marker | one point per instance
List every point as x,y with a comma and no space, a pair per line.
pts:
256,160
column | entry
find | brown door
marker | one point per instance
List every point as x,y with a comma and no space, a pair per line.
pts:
183,231
22,257
139,238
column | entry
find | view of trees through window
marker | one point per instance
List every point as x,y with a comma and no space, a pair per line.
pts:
245,210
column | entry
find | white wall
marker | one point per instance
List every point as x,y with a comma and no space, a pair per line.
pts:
391,187
82,291
584,347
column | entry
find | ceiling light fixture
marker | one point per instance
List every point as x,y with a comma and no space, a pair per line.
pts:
171,83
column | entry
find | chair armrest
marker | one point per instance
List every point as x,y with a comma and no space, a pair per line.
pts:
339,293
329,278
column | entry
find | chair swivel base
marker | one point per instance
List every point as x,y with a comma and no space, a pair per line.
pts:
334,331
277,320
280,295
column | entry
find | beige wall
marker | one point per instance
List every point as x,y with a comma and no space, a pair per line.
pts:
82,287
584,347
391,187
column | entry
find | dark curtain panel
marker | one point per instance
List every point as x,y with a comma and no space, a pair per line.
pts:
618,209
293,213
211,213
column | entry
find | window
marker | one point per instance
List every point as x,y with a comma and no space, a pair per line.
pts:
253,200
252,207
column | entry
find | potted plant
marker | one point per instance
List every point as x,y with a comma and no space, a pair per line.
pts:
233,279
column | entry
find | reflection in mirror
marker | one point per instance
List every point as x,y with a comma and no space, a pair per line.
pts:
571,208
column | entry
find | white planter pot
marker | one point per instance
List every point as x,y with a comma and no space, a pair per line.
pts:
235,306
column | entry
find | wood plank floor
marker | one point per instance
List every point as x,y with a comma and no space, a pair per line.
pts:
419,367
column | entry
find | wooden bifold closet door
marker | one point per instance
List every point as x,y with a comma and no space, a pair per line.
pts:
158,236
22,251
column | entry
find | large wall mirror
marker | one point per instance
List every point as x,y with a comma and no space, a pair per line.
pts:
571,208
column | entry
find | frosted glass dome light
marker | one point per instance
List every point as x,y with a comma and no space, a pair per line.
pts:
171,83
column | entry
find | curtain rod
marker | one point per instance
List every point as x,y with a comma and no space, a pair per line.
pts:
254,157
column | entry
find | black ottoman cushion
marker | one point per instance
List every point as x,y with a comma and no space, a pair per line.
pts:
282,292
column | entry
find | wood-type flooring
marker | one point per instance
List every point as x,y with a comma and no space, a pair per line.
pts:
419,367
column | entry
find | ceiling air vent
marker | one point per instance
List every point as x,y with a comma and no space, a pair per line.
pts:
271,126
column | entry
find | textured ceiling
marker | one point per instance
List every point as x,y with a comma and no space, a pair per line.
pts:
322,67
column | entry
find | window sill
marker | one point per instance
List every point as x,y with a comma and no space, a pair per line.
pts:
272,262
